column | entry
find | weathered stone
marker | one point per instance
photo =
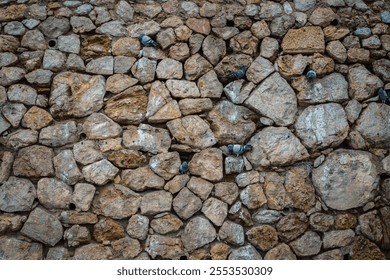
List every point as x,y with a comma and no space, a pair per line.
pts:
22,93
335,254
213,49
220,251
291,65
321,222
165,165
129,107
147,27
81,24
179,52
144,70
247,252
113,28
371,226
307,245
247,178
6,161
20,138
263,237
12,12
274,90
232,233
253,196
277,197
337,51
169,68
215,210
244,42
4,124
34,40
9,43
86,152
351,191
196,66
231,123
331,88
305,40
11,75
322,126
363,249
7,59
275,146
183,89
119,82
234,164
166,223
58,253
322,16
362,83
48,234
17,194
238,91
93,252
197,233
381,68
59,134
126,46
77,218
166,38
156,202
34,161
147,138
137,227
14,112
164,247
338,238
66,167
124,10
15,249
358,55
53,193
177,183
208,164
95,46
209,85
76,95
199,25
75,62
126,248
240,214
141,179
226,191
116,201
291,226
100,172
373,125
186,204
280,252
53,27
99,126
127,158
193,106
82,196
77,235
345,221
108,230
264,216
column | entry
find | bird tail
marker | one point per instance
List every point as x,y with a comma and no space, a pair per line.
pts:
248,147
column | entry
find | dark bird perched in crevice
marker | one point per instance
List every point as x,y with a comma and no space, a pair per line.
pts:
240,73
147,41
383,95
239,149
183,168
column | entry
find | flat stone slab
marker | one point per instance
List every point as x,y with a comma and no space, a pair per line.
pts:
305,40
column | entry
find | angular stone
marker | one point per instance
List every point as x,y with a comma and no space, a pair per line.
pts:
335,254
226,191
129,107
373,125
95,46
166,38
338,238
291,65
4,124
75,62
99,126
322,16
331,88
22,93
53,193
86,152
165,165
215,210
6,161
179,52
34,40
100,172
147,138
260,69
232,233
280,252
147,27
58,253
138,226
196,66
363,249
220,251
231,123
275,99
275,146
69,43
245,43
141,179
108,230
362,83
169,68
209,85
177,183
43,226
93,252
238,91
263,237
345,221
53,27
291,226
264,216
127,158
113,28
116,201
53,60
197,233
199,25
277,197
351,192
7,59
81,24
156,202
208,164
247,252
34,161
20,138
66,168
322,126
82,196
186,204
234,164
76,235
124,10
144,70
76,95
305,40
214,49
166,223
337,51
76,218
183,89
253,196
15,249
119,82
192,131
126,46
11,75
164,247
9,43
193,106
307,245
247,178
321,222
240,214
14,112
371,226
17,194
59,134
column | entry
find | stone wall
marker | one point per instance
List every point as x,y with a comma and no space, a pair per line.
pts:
94,127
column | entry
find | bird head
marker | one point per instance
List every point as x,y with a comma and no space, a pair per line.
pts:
141,36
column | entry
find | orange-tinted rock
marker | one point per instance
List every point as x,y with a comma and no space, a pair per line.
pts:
305,40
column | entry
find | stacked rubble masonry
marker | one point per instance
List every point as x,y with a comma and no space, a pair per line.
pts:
94,127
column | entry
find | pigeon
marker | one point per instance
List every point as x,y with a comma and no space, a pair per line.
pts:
240,73
239,149
183,168
311,75
147,41
382,94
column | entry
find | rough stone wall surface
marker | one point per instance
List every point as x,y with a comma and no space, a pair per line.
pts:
95,126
